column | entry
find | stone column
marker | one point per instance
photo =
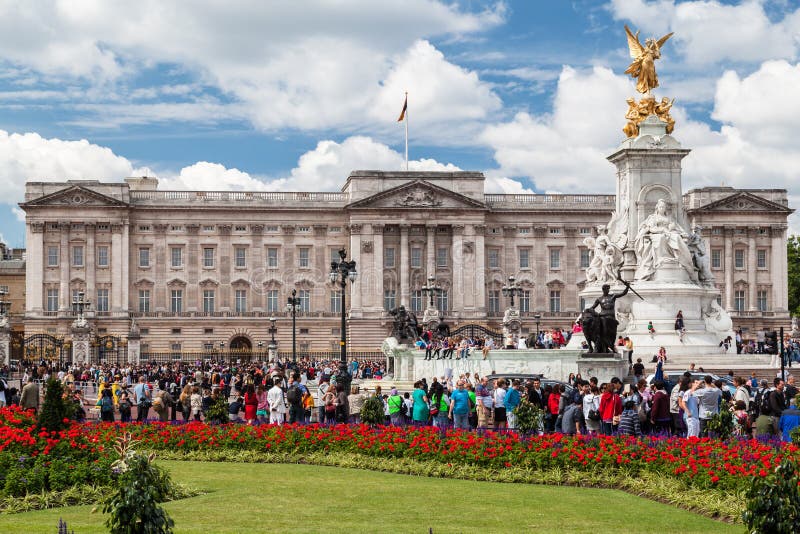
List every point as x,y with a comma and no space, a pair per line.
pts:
225,266
778,270
115,306
64,266
377,253
480,271
356,287
80,331
457,288
728,265
91,263
126,263
192,301
405,291
134,344
34,267
430,250
752,268
255,268
160,267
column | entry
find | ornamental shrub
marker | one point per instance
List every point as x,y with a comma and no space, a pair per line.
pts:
372,412
529,417
721,425
134,506
217,413
773,502
56,410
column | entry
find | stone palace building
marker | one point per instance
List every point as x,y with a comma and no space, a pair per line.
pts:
198,270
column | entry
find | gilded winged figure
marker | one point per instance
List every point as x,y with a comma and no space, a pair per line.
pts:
643,66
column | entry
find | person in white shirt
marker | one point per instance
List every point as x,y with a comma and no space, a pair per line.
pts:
277,404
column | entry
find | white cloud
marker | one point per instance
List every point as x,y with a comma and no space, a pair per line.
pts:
30,157
709,32
307,65
325,168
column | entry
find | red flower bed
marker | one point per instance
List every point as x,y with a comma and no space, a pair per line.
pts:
700,462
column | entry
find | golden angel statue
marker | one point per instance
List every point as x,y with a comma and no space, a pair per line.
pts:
644,57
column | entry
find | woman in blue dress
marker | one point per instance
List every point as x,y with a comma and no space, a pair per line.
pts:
662,357
420,413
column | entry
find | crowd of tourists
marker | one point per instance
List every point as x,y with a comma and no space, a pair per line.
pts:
276,392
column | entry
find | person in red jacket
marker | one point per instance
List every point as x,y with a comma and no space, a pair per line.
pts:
610,409
660,416
553,401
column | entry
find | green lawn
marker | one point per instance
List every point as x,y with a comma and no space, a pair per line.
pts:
303,498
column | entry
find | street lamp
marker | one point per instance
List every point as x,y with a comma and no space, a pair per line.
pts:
512,289
432,289
293,303
79,304
341,271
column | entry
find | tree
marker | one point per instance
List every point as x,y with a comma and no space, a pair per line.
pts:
55,409
793,259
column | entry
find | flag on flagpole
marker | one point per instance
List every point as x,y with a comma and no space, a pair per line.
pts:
405,107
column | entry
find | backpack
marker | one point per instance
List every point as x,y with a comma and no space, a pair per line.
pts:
106,405
764,406
294,395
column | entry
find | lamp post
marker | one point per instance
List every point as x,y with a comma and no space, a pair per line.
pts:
511,289
341,271
272,349
292,303
79,304
432,289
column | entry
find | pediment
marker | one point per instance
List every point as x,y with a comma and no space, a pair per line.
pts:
75,195
417,194
744,201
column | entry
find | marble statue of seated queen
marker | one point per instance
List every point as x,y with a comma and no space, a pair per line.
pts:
661,242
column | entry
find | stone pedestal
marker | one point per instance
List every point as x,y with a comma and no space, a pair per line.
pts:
603,367
512,326
430,319
81,333
5,341
134,344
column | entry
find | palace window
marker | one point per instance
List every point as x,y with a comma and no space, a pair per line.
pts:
176,255
416,300
52,300
443,300
240,228
208,257
102,300
144,257
102,256
388,257
585,258
302,257
240,257
77,256
761,258
738,258
761,298
241,300
716,258
555,301
555,258
272,258
493,258
441,257
176,301
305,300
555,231
739,300
389,299
144,301
335,301
273,303
494,301
524,258
416,257
52,256
525,300
208,300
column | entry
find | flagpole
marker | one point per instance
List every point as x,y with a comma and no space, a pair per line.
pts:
406,130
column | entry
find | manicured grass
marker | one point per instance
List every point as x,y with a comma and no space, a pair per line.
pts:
304,498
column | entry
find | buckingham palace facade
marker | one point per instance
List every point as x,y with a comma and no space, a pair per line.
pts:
200,269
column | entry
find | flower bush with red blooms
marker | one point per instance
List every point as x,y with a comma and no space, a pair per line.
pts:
702,463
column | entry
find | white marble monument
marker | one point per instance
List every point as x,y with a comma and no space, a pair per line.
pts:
647,244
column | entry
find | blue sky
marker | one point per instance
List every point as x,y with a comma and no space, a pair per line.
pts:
294,95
